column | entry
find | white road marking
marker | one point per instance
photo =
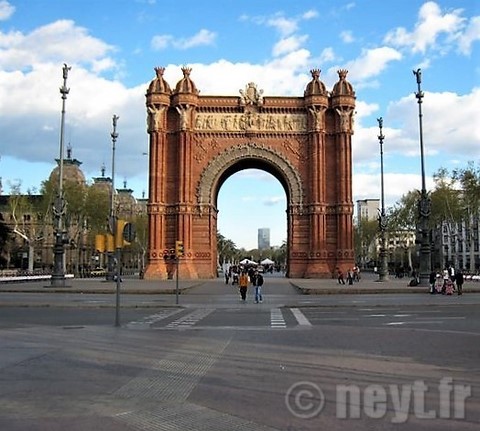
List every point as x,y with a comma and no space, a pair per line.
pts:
428,322
276,319
190,319
301,319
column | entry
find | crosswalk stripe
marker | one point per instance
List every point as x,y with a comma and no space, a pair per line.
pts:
301,319
276,319
190,319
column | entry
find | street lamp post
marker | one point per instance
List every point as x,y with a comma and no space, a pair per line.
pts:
382,219
113,226
112,216
424,203
58,274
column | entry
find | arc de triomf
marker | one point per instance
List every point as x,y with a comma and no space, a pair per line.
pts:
198,141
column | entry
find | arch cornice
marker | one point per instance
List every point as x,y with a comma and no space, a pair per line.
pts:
251,150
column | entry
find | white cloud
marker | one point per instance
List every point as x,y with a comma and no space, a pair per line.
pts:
274,200
431,24
202,38
51,43
450,123
285,26
371,62
471,34
347,36
310,14
160,42
6,10
451,131
368,186
288,44
350,6
327,55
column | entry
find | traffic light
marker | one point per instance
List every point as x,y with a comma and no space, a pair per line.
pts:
110,244
179,249
100,243
120,241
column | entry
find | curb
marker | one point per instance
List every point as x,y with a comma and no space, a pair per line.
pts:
368,290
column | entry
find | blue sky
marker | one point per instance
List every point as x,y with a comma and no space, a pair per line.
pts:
114,45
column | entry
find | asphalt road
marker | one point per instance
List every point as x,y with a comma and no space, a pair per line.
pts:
338,362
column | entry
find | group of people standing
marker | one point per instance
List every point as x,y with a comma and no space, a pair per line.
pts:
256,279
446,282
353,274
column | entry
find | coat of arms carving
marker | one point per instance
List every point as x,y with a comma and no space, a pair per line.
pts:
251,96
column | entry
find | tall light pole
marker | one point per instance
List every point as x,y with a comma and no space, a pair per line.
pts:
112,217
58,274
424,203
113,226
382,219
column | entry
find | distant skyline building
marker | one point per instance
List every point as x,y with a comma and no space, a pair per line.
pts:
264,238
367,209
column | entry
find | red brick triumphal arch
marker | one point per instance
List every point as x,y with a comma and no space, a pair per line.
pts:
197,142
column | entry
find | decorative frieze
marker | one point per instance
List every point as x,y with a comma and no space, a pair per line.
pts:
250,121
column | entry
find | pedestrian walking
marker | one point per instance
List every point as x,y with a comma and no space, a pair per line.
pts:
446,277
459,279
340,278
350,277
243,285
257,281
432,278
449,287
356,273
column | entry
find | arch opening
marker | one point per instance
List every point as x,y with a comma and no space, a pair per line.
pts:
252,212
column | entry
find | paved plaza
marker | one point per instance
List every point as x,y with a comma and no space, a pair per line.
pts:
204,360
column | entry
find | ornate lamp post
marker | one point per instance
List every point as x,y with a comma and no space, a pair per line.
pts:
112,217
58,274
424,203
382,219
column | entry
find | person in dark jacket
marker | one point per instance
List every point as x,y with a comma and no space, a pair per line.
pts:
432,278
257,281
459,279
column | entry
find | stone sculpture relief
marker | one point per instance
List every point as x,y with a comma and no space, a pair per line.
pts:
251,96
154,118
250,121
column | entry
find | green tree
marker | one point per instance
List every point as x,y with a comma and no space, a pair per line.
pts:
5,233
140,245
279,255
469,180
402,221
365,233
97,209
27,220
446,210
226,249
